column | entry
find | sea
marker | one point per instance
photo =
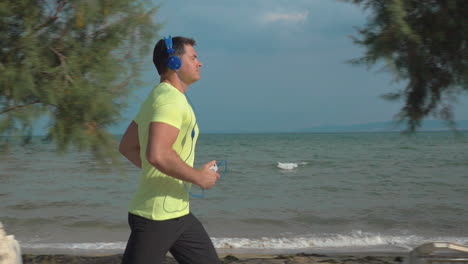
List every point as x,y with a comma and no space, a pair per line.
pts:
312,192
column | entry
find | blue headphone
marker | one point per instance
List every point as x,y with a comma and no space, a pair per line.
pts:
173,62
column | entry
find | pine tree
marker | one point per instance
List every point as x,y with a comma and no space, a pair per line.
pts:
423,43
74,63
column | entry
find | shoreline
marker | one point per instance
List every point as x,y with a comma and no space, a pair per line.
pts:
250,258
238,252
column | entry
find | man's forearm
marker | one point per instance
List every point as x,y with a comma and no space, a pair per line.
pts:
171,164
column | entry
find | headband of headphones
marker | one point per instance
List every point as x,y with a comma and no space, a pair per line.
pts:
173,62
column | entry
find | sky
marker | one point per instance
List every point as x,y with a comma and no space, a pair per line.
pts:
275,66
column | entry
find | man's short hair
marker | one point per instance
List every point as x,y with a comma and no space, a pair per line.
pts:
160,55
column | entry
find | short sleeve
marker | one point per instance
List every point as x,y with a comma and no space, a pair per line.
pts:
170,112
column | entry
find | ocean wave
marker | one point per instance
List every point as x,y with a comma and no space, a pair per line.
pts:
355,239
31,205
289,165
76,246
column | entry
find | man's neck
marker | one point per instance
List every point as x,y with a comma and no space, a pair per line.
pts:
174,80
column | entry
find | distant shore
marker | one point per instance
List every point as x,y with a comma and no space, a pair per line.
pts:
360,258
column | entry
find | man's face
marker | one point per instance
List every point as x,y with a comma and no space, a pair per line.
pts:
190,70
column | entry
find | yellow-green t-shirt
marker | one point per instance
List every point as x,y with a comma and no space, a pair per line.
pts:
159,196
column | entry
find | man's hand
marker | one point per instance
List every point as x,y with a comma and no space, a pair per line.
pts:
207,177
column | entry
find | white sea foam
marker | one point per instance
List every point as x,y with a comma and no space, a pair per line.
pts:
289,165
355,239
77,246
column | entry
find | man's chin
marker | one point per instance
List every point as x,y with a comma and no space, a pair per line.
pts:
194,80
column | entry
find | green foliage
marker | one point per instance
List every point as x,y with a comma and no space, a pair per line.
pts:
74,62
423,42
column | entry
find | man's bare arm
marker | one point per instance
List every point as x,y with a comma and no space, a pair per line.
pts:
161,155
130,146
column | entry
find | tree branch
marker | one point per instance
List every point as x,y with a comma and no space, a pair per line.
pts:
63,64
52,18
18,106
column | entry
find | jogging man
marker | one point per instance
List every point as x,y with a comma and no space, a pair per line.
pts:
161,141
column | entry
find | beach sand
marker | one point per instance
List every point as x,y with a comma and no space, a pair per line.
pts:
246,259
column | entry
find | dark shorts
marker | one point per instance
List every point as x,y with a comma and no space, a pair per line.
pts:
184,237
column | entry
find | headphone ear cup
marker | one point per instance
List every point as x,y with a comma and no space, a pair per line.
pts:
174,63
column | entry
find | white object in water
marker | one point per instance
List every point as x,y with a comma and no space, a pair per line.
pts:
10,251
287,166
439,253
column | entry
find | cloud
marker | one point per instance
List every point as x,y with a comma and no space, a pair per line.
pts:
294,17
